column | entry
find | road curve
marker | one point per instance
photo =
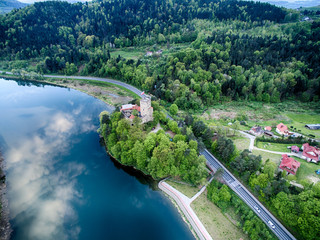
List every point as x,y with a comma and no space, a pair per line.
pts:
108,80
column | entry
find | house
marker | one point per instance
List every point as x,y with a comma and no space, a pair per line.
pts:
145,111
306,19
268,128
310,153
313,126
289,164
256,130
282,129
148,54
295,149
128,109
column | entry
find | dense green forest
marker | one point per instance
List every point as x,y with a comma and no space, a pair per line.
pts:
230,49
155,154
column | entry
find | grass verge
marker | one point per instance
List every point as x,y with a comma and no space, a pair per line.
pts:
219,225
186,189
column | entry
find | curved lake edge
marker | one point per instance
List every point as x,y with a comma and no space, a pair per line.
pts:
138,173
141,176
5,226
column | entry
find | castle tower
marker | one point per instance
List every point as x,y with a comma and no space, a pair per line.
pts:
146,110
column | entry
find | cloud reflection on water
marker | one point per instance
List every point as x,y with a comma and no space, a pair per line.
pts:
42,188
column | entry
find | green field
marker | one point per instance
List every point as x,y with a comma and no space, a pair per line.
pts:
307,171
241,143
128,53
219,225
299,120
277,147
265,156
186,189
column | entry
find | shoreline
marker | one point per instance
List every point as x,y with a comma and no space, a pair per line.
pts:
127,168
5,226
57,82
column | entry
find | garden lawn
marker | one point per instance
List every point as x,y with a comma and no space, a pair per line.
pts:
217,224
278,147
307,171
241,143
265,156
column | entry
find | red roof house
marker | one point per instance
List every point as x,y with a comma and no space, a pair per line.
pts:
311,153
295,149
289,164
282,129
127,107
267,128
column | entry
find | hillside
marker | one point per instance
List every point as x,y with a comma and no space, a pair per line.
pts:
213,50
7,5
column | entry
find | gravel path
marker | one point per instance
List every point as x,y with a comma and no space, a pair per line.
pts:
184,204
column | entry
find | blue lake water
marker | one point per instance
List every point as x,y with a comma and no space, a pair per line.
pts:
61,183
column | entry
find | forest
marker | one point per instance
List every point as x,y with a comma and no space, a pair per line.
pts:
235,49
155,154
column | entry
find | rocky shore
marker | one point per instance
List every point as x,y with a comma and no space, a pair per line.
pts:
5,227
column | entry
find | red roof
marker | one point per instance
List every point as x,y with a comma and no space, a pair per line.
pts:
282,128
131,116
311,152
268,128
295,149
133,107
289,164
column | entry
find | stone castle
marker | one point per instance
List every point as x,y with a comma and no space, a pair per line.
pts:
145,110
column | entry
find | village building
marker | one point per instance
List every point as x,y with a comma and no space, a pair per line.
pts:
289,165
295,149
310,153
313,126
148,54
282,129
268,128
256,130
145,111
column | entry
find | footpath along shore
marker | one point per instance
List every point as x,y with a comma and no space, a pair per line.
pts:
184,204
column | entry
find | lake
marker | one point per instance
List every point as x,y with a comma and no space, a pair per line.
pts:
61,183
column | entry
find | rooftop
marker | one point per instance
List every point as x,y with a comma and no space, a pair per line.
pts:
289,164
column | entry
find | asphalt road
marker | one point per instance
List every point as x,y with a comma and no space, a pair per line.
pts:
279,230
127,86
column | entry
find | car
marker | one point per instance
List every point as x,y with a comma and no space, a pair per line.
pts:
256,208
271,224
